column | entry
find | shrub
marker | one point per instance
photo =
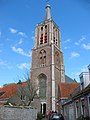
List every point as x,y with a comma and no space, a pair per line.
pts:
39,116
83,118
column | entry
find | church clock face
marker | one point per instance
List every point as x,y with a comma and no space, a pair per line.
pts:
57,58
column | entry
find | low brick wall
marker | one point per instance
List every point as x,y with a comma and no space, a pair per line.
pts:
17,113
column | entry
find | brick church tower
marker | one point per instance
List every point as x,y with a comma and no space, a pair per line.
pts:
47,69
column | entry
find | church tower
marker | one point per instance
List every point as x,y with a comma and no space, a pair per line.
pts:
47,69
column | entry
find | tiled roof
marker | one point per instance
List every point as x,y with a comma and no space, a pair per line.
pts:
67,88
9,90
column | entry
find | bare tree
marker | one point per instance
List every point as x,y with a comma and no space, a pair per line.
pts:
27,92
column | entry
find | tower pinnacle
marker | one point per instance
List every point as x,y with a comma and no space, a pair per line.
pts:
48,11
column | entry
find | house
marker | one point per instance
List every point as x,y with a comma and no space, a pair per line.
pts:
18,95
82,103
78,103
66,89
7,92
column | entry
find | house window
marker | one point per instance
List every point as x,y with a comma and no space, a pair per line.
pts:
89,101
82,85
82,106
23,97
77,109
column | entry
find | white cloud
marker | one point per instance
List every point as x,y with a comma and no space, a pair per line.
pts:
12,30
74,54
68,40
66,48
24,66
17,32
77,43
20,41
80,40
86,46
22,34
21,51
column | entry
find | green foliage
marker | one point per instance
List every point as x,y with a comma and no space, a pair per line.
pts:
39,116
83,118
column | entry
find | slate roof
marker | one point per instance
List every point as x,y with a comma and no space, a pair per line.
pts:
67,88
69,80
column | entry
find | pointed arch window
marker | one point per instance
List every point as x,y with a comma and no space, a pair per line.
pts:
42,86
42,57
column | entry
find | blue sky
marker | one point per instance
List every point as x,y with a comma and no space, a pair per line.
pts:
18,19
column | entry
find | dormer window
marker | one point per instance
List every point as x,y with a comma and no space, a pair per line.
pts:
82,85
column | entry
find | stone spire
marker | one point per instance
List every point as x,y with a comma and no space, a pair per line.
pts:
48,12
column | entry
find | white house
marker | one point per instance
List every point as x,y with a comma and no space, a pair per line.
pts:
84,80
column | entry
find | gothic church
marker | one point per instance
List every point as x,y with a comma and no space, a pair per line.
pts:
47,72
47,69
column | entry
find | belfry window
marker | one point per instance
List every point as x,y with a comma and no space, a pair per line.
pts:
45,28
56,41
41,37
42,58
45,36
41,30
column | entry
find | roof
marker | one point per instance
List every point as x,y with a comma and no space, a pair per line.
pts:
67,88
82,92
69,80
9,90
48,12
